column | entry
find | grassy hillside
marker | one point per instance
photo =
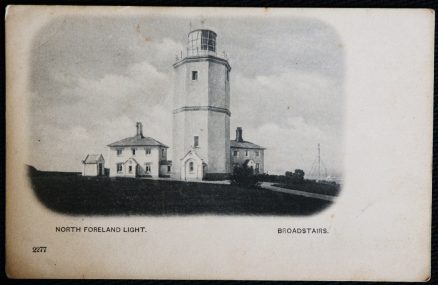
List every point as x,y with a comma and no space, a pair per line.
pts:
76,195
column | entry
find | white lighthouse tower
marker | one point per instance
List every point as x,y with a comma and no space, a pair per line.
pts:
201,111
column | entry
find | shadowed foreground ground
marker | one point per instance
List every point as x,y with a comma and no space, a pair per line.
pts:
76,195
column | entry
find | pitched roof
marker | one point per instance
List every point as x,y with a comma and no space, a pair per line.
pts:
248,161
244,144
137,141
92,159
192,153
133,159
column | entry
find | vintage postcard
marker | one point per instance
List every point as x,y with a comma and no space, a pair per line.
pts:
219,143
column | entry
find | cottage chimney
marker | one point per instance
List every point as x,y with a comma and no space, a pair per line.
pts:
239,137
139,129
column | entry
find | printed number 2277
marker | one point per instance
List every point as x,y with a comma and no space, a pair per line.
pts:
39,249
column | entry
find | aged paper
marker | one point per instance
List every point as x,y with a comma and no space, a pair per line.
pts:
214,143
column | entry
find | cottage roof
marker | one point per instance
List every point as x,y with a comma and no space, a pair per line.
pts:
92,158
138,140
244,144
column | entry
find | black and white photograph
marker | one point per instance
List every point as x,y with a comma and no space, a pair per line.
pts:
218,143
205,115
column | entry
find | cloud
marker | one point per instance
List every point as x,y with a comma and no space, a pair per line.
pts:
94,77
54,148
290,113
91,113
293,145
316,98
263,47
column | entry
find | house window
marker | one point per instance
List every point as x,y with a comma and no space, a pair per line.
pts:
133,151
257,168
196,141
130,169
191,166
235,153
119,167
257,153
148,151
246,153
169,168
194,75
163,152
148,168
119,152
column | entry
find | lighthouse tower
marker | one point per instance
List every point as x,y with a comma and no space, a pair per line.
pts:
201,111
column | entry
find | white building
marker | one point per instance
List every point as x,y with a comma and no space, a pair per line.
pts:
201,115
138,156
246,153
93,165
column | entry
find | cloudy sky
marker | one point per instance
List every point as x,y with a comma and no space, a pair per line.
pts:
93,77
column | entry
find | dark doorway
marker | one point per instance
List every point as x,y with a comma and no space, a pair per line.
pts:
99,169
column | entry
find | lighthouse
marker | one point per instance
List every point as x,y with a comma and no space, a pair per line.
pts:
201,110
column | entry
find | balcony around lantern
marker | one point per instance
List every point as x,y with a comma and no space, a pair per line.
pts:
201,43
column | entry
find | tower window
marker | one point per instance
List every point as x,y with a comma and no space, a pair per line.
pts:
191,166
133,151
208,41
246,153
194,75
196,141
148,151
235,153
119,152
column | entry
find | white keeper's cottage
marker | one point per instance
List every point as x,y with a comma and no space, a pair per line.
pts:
138,156
246,153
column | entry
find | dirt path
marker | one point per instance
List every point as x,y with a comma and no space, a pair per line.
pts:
269,186
225,182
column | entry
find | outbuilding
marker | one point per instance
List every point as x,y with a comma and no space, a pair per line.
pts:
93,165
